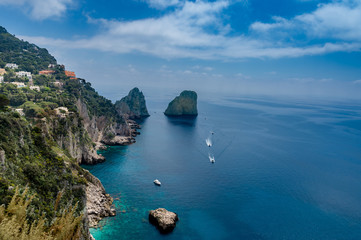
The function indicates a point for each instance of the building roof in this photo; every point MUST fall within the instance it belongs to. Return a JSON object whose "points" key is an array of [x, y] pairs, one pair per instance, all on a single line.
{"points": [[70, 74], [46, 72]]}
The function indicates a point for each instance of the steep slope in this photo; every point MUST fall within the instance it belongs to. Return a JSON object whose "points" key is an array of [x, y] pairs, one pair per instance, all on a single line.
{"points": [[28, 56], [46, 132], [133, 105]]}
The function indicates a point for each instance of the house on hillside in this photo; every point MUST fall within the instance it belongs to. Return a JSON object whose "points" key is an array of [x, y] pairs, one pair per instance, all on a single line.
{"points": [[70, 74], [37, 88], [51, 65], [24, 74], [20, 111], [1, 79], [62, 111], [2, 71], [19, 84], [46, 72], [58, 84], [11, 65]]}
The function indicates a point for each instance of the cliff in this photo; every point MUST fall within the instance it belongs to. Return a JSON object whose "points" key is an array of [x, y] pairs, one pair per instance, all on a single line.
{"points": [[59, 127], [183, 105], [132, 106]]}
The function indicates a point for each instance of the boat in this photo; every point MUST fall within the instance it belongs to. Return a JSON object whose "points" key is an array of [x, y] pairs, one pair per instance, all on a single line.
{"points": [[211, 158], [157, 182], [208, 142]]}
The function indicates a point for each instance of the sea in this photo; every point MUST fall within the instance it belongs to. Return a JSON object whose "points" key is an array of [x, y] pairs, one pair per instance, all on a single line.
{"points": [[284, 169]]}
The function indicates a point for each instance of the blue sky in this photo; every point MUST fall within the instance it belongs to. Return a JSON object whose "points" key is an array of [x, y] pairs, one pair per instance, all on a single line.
{"points": [[298, 48]]}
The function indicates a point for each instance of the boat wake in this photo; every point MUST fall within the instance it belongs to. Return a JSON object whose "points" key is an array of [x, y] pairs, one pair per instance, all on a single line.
{"points": [[211, 158], [209, 142]]}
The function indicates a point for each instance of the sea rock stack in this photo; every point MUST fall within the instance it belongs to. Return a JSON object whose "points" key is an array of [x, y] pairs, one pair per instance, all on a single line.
{"points": [[183, 105], [163, 219], [132, 105]]}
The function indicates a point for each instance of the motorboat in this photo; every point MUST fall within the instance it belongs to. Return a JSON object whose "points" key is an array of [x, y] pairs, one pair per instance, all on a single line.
{"points": [[211, 158], [208, 142], [157, 182]]}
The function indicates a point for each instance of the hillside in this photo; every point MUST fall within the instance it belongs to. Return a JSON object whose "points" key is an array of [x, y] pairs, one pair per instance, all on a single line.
{"points": [[28, 56], [49, 124]]}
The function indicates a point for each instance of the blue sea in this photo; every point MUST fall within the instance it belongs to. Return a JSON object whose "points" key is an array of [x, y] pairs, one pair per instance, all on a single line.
{"points": [[284, 169]]}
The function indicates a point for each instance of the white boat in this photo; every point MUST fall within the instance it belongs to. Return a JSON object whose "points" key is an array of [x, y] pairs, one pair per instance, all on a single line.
{"points": [[208, 142], [211, 158], [157, 182]]}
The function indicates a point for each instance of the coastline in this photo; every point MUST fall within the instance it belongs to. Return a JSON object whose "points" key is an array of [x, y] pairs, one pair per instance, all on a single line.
{"points": [[99, 203]]}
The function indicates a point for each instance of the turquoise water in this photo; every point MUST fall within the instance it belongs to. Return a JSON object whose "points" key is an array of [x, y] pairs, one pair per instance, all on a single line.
{"points": [[283, 170]]}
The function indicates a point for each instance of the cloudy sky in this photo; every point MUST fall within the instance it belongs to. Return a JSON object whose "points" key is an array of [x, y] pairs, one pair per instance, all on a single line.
{"points": [[298, 48]]}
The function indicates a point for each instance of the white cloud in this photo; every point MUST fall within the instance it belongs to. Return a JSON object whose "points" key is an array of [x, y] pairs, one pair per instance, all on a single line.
{"points": [[162, 4], [197, 29], [338, 20], [40, 9]]}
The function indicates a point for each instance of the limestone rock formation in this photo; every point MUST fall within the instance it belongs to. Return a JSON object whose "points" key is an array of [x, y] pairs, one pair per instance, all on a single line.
{"points": [[99, 203], [183, 105], [163, 219], [133, 105]]}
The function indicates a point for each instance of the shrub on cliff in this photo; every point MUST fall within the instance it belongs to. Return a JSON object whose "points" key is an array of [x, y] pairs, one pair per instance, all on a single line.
{"points": [[14, 223]]}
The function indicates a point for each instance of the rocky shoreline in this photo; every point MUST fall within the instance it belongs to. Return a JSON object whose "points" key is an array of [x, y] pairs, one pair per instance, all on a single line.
{"points": [[99, 203]]}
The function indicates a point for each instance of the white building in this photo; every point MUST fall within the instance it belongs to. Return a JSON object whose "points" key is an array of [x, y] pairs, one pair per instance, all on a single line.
{"points": [[1, 79], [20, 111], [58, 84], [11, 65], [24, 74], [37, 88], [51, 65], [19, 84], [62, 111]]}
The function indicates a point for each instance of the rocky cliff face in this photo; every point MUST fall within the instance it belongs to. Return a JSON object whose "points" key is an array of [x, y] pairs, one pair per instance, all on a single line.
{"points": [[132, 106], [183, 105], [104, 131], [99, 203]]}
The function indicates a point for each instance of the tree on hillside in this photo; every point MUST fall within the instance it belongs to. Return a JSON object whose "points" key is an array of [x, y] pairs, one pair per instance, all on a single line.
{"points": [[4, 101]]}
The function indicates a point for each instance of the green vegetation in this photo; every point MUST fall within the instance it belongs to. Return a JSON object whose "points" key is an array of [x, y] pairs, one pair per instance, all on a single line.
{"points": [[14, 224], [34, 148], [28, 57], [4, 101]]}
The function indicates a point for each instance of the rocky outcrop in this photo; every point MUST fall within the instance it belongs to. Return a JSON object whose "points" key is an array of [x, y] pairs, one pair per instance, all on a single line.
{"points": [[183, 105], [119, 141], [101, 131], [132, 106], [99, 203], [163, 219]]}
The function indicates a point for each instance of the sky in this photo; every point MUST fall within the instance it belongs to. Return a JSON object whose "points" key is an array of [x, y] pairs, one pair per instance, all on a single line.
{"points": [[289, 48]]}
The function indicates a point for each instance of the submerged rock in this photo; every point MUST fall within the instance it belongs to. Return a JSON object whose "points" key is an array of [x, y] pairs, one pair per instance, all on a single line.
{"points": [[133, 105], [183, 105], [163, 219]]}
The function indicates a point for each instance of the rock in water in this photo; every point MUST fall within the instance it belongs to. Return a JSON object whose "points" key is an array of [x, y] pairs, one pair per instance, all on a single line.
{"points": [[163, 219], [183, 105], [133, 105]]}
